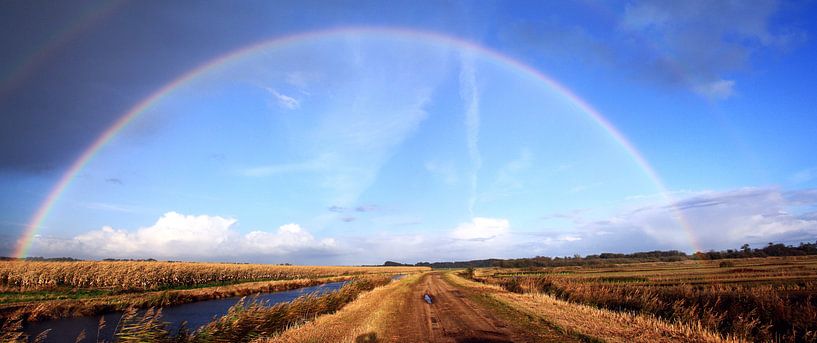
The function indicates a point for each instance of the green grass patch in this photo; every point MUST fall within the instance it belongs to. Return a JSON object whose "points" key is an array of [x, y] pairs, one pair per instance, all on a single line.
{"points": [[15, 297]]}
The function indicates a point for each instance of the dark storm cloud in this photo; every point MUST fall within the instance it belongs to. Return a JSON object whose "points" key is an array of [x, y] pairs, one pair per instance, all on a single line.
{"points": [[7, 244], [78, 88], [95, 60]]}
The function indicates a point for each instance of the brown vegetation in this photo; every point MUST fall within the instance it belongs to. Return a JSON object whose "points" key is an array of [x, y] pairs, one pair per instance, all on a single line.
{"points": [[753, 299], [369, 317], [248, 321], [592, 323], [24, 276], [148, 284], [245, 321], [43, 310]]}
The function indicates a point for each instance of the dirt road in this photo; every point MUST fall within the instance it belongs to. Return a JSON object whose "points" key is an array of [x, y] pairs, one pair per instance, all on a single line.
{"points": [[452, 317]]}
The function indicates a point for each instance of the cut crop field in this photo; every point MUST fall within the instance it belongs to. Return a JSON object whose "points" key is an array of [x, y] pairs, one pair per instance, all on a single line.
{"points": [[758, 299], [20, 276], [751, 299], [32, 291]]}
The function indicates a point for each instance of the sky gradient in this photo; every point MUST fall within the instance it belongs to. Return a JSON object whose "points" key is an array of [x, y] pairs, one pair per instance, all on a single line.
{"points": [[358, 132]]}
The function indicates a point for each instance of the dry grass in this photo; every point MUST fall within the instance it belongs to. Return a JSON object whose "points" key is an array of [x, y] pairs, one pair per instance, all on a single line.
{"points": [[755, 299], [24, 276], [369, 317], [243, 322], [139, 278], [88, 307], [603, 324]]}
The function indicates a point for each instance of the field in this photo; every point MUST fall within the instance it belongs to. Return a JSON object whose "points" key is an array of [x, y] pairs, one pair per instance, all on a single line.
{"points": [[730, 300], [21, 277], [33, 291], [755, 299]]}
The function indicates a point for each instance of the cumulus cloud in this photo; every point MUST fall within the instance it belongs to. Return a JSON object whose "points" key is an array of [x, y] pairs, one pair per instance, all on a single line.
{"points": [[481, 229], [716, 219], [709, 220], [178, 236], [284, 100]]}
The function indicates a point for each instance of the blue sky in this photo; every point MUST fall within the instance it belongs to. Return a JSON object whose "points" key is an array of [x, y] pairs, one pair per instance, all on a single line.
{"points": [[370, 144]]}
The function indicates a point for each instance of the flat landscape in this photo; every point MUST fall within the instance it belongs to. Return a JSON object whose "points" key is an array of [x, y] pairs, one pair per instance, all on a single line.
{"points": [[747, 299], [421, 171]]}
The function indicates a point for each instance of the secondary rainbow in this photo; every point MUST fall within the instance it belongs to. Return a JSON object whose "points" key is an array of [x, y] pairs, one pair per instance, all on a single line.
{"points": [[134, 112]]}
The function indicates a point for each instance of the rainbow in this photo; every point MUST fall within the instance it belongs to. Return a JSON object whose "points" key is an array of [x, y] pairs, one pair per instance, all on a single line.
{"points": [[134, 112]]}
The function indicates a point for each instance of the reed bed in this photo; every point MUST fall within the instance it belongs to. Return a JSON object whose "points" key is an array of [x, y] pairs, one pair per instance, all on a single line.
{"points": [[245, 321], [774, 301], [29, 276]]}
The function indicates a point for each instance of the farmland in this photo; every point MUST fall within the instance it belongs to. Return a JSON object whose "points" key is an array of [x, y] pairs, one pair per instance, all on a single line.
{"points": [[754, 299], [726, 300], [34, 291], [20, 276]]}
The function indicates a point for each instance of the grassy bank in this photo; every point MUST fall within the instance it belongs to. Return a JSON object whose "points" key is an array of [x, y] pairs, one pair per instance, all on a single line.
{"points": [[244, 321], [370, 318]]}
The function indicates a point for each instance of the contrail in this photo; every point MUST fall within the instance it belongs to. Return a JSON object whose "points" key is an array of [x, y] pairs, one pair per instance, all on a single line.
{"points": [[470, 97]]}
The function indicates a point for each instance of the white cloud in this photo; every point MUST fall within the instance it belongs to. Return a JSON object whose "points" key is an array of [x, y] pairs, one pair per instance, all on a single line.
{"points": [[316, 164], [300, 80], [481, 229], [469, 93], [284, 100], [288, 239], [716, 220], [178, 236], [509, 178], [110, 207], [694, 43], [718, 89], [582, 188], [445, 170], [804, 175]]}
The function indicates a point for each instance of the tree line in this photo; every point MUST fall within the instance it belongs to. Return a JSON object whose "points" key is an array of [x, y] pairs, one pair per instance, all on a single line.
{"points": [[745, 251]]}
